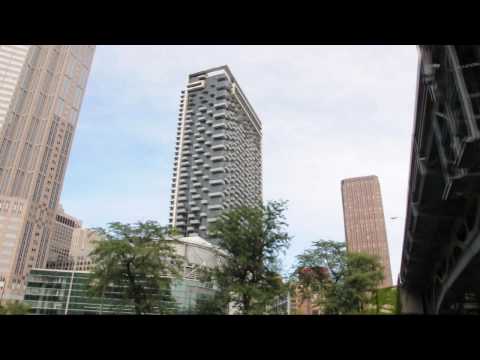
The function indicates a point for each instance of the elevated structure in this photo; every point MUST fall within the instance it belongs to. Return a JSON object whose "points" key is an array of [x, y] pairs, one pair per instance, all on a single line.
{"points": [[440, 269]]}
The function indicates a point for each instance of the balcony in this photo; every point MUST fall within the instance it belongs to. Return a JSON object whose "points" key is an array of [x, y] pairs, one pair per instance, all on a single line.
{"points": [[218, 158], [221, 125], [217, 182], [220, 115], [220, 169], [218, 147], [218, 136], [222, 105]]}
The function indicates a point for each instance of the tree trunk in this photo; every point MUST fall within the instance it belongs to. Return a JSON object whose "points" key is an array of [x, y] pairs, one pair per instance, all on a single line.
{"points": [[246, 304], [136, 301]]}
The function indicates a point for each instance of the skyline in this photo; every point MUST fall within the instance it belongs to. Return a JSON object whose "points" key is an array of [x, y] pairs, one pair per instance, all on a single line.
{"points": [[143, 83]]}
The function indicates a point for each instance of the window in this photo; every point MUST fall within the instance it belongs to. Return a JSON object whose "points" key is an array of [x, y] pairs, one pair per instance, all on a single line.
{"points": [[77, 98], [65, 87], [59, 107]]}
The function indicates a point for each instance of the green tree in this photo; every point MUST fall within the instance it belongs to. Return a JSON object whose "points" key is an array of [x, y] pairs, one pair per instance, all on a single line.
{"points": [[212, 305], [14, 308], [355, 293], [251, 239], [323, 254], [137, 260], [387, 300], [352, 281]]}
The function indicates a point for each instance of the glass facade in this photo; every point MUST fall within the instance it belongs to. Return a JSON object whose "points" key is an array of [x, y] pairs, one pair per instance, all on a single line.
{"points": [[63, 292]]}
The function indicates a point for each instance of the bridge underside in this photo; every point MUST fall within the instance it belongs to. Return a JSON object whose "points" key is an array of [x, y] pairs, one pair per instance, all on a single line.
{"points": [[440, 261]]}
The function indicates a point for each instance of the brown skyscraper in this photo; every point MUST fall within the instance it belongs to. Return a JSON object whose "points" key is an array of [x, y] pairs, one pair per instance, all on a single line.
{"points": [[364, 220]]}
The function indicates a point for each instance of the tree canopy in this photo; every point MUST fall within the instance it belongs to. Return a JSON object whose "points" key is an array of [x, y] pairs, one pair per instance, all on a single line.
{"points": [[14, 308], [352, 282], [251, 238], [139, 261]]}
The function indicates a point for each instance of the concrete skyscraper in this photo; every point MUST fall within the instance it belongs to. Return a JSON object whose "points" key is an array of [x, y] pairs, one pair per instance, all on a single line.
{"points": [[218, 158], [364, 220], [12, 58], [46, 87]]}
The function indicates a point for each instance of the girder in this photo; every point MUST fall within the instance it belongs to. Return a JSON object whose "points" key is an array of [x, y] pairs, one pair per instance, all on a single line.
{"points": [[442, 238]]}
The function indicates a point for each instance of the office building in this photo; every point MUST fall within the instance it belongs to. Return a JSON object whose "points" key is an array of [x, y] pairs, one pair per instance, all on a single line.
{"points": [[12, 58], [61, 239], [218, 158], [65, 291], [35, 142], [364, 220], [82, 243]]}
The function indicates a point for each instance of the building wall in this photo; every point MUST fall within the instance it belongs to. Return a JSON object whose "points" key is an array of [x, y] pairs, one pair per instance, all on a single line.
{"points": [[35, 143], [83, 242], [45, 297], [218, 152], [62, 236], [364, 220], [12, 59]]}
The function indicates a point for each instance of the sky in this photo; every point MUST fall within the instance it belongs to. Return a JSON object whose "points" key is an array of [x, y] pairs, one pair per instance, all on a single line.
{"points": [[328, 113]]}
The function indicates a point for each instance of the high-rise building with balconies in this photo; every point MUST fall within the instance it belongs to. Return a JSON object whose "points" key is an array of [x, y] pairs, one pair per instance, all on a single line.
{"points": [[45, 86], [218, 158], [364, 220]]}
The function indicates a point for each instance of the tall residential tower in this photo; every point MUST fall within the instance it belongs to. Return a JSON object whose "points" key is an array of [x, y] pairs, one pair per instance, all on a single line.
{"points": [[218, 159], [46, 87], [364, 220]]}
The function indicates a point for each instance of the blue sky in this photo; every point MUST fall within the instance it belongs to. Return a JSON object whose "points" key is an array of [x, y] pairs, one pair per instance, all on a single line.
{"points": [[328, 112]]}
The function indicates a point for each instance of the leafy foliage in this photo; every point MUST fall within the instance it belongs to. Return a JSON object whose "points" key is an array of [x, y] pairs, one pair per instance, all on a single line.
{"points": [[136, 259], [14, 308], [251, 238], [325, 253], [387, 300], [352, 282]]}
